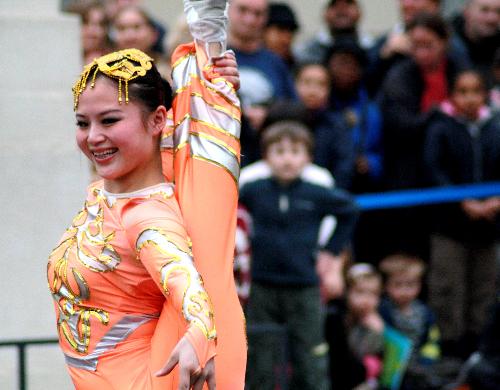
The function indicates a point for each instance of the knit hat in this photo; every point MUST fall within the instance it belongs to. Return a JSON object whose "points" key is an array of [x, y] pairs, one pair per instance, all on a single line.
{"points": [[281, 15]]}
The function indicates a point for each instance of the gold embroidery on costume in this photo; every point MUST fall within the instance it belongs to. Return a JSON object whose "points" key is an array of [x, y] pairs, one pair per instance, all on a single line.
{"points": [[179, 269], [124, 66], [84, 237]]}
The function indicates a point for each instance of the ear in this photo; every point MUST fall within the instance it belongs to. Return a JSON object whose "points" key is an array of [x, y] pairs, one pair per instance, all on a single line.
{"points": [[157, 120]]}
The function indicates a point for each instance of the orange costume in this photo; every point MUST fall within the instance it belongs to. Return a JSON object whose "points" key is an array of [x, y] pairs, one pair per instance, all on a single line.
{"points": [[123, 279]]}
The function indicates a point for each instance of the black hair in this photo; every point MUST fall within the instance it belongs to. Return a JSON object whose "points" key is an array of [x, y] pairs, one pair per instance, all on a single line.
{"points": [[152, 90], [431, 21], [297, 71], [282, 15], [472, 71], [347, 45]]}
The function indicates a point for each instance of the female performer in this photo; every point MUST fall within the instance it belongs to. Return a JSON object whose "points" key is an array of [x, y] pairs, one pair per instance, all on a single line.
{"points": [[130, 303]]}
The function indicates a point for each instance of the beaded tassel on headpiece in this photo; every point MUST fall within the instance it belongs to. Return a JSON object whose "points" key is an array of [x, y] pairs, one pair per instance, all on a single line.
{"points": [[124, 66]]}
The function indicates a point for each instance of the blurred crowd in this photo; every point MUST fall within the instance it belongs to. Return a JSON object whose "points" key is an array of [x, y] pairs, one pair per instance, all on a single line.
{"points": [[342, 113]]}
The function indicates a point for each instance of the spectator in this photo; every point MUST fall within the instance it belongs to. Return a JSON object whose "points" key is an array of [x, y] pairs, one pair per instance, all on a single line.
{"points": [[463, 146], [348, 97], [355, 331], [280, 32], [313, 84], [341, 18], [113, 7], [286, 213], [401, 309], [395, 46], [94, 30], [354, 157], [264, 75], [133, 28], [265, 78], [410, 91], [476, 34]]}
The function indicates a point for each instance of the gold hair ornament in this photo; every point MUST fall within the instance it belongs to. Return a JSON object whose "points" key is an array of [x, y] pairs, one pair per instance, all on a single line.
{"points": [[123, 65]]}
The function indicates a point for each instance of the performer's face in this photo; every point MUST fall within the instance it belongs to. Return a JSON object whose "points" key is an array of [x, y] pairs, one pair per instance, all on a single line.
{"points": [[121, 140]]}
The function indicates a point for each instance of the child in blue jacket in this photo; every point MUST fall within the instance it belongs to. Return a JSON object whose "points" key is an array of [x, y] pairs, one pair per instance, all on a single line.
{"points": [[286, 215]]}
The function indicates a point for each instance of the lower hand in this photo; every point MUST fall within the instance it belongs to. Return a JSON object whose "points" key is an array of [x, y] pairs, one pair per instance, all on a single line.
{"points": [[329, 269], [191, 375]]}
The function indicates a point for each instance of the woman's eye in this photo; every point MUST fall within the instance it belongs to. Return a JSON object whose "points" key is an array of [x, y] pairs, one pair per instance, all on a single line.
{"points": [[109, 121], [81, 124]]}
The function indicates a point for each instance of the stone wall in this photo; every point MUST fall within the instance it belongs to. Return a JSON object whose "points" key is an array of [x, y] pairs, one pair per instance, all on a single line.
{"points": [[42, 174]]}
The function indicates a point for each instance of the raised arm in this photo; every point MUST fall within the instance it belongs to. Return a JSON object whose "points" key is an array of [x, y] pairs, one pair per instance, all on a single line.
{"points": [[205, 148]]}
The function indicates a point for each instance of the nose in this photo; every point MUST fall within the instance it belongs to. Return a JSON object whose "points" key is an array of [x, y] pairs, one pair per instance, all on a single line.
{"points": [[95, 135]]}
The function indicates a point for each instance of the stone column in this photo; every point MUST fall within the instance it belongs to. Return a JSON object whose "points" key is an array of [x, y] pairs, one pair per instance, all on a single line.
{"points": [[43, 176]]}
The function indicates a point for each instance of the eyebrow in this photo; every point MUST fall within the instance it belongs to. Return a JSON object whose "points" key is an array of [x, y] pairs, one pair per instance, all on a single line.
{"points": [[104, 112]]}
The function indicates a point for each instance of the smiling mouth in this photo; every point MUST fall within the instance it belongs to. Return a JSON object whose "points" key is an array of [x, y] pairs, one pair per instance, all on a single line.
{"points": [[105, 154]]}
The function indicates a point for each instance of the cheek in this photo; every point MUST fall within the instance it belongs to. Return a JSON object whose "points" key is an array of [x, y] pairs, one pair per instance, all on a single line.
{"points": [[81, 141]]}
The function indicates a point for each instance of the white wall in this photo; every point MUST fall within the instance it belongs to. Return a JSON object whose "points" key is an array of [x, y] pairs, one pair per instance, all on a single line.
{"points": [[42, 175]]}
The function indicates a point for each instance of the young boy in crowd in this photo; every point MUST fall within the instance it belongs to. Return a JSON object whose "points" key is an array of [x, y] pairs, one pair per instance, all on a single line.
{"points": [[286, 214], [463, 146], [401, 309], [354, 331]]}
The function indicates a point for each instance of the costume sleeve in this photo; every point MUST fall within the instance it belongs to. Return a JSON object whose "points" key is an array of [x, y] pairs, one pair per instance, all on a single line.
{"points": [[162, 246]]}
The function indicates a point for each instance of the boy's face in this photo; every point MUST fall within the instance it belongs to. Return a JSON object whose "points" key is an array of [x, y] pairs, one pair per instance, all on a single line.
{"points": [[468, 95], [287, 159], [403, 289], [363, 297], [313, 86]]}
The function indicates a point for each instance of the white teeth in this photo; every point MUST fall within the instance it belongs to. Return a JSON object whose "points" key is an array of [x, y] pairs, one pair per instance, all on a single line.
{"points": [[103, 154]]}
